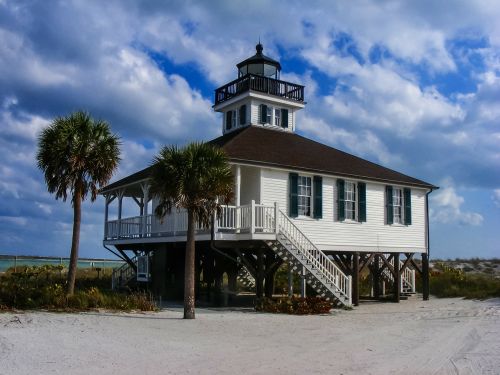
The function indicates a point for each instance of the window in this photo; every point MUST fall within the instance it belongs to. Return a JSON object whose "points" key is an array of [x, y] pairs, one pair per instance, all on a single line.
{"points": [[269, 115], [266, 114], [304, 196], [397, 204], [277, 117], [350, 200], [230, 119]]}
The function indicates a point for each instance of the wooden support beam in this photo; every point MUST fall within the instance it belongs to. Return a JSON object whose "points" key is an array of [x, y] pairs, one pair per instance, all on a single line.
{"points": [[366, 261], [355, 279], [249, 266], [407, 261], [259, 280], [397, 279], [269, 262], [416, 266], [387, 264], [339, 263], [425, 277], [375, 269]]}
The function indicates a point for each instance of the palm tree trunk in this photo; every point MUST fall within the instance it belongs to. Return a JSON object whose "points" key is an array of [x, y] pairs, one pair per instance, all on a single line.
{"points": [[189, 269], [75, 241]]}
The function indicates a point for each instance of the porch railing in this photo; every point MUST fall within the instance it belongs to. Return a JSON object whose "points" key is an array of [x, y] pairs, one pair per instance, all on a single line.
{"points": [[250, 218]]}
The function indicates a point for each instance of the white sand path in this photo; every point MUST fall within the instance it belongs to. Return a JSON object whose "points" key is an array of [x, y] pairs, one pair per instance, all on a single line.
{"points": [[440, 336]]}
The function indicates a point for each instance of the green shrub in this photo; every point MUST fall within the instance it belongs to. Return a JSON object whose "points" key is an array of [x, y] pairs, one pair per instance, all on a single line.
{"points": [[44, 287], [294, 305], [450, 282]]}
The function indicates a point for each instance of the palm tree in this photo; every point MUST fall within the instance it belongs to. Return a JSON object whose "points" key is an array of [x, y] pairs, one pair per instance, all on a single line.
{"points": [[77, 155], [197, 178]]}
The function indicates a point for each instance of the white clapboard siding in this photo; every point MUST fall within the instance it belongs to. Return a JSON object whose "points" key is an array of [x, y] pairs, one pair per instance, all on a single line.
{"points": [[250, 185], [330, 234]]}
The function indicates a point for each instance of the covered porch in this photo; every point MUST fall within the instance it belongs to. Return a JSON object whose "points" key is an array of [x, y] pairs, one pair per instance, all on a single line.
{"points": [[134, 219]]}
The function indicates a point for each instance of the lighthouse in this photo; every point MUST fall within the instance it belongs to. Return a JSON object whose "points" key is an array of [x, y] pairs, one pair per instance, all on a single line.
{"points": [[258, 97]]}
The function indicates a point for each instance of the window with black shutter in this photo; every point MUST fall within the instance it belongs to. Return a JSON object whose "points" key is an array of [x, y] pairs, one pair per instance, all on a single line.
{"points": [[293, 203], [229, 119], [284, 118], [340, 200], [243, 114], [318, 197]]}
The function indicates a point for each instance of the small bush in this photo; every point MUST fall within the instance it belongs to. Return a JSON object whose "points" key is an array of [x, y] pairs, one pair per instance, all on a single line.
{"points": [[294, 305], [450, 282], [43, 287]]}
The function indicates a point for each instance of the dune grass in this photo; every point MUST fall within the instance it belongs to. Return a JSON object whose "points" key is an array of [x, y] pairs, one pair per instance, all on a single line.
{"points": [[43, 287], [446, 281]]}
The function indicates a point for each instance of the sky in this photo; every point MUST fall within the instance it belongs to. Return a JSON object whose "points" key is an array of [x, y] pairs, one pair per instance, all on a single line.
{"points": [[412, 85]]}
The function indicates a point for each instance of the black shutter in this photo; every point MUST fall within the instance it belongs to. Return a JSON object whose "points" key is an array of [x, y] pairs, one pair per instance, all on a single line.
{"points": [[263, 113], [318, 197], [388, 203], [340, 200], [229, 119], [284, 118], [243, 114], [407, 198], [293, 201], [361, 202]]}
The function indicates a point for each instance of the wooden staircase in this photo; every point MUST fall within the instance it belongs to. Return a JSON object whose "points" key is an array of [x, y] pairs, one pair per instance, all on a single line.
{"points": [[245, 278], [124, 274], [324, 276], [408, 286]]}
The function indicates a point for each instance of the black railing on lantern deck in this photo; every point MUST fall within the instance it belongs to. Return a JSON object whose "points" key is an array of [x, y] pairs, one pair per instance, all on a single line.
{"points": [[260, 84]]}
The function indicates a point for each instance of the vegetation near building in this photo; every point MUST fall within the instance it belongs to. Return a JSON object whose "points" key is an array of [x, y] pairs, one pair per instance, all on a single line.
{"points": [[78, 155], [196, 178]]}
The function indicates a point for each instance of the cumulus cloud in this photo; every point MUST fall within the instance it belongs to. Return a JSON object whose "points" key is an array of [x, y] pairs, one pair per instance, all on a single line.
{"points": [[447, 207]]}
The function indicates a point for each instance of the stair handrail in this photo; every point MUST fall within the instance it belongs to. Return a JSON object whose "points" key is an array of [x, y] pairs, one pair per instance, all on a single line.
{"points": [[313, 254], [125, 270], [408, 275]]}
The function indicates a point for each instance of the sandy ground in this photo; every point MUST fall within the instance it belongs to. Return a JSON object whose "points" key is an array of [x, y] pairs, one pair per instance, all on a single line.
{"points": [[441, 336]]}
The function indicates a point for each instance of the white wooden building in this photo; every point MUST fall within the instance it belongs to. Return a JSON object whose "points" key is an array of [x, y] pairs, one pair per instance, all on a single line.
{"points": [[328, 214]]}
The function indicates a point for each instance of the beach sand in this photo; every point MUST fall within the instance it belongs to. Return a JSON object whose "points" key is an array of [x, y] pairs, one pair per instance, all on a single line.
{"points": [[440, 336]]}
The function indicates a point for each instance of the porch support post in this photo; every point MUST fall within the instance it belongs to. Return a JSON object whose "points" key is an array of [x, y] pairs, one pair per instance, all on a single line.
{"points": [[397, 278], [355, 279], [259, 280], [120, 199], [238, 186], [303, 282], [252, 217], [425, 277], [290, 280], [376, 276], [145, 193], [106, 214]]}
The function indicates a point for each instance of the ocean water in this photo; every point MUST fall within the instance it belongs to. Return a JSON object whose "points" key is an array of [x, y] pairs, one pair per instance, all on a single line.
{"points": [[7, 262]]}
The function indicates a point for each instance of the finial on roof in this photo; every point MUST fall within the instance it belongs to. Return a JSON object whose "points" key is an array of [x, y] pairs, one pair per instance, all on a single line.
{"points": [[259, 48]]}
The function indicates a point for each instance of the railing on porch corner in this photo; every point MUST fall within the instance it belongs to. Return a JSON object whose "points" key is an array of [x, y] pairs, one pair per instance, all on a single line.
{"points": [[250, 218]]}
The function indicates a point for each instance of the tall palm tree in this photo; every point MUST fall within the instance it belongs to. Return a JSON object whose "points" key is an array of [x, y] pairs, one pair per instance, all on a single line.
{"points": [[77, 155], [197, 178]]}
